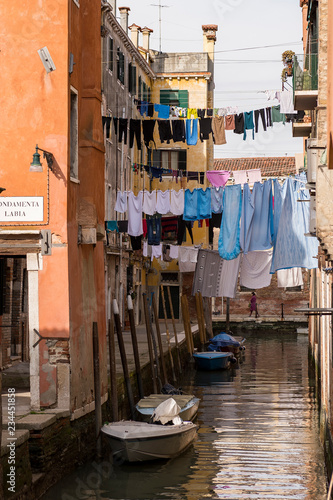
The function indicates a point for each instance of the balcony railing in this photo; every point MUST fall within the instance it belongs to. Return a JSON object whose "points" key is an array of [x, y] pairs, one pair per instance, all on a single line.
{"points": [[305, 72]]}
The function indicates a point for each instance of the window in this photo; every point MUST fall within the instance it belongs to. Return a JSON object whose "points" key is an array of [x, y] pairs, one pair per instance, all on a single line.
{"points": [[144, 92], [174, 98], [298, 288], [120, 66], [132, 78], [170, 159], [110, 54], [74, 141], [140, 88]]}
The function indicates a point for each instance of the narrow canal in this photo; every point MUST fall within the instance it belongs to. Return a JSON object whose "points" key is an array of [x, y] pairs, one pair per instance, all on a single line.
{"points": [[257, 439]]}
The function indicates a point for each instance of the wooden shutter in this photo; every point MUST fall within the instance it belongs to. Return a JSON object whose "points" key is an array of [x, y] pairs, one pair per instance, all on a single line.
{"points": [[182, 159], [183, 98]]}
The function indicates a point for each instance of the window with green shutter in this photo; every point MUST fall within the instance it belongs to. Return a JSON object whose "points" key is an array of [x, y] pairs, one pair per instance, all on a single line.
{"points": [[110, 54], [120, 66], [174, 97], [131, 78]]}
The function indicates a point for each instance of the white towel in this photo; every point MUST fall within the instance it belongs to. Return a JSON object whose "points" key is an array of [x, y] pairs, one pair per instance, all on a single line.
{"points": [[163, 202], [174, 251], [255, 270], [287, 103], [287, 278], [121, 202], [229, 278], [157, 251], [240, 176], [149, 202], [177, 202], [187, 259]]}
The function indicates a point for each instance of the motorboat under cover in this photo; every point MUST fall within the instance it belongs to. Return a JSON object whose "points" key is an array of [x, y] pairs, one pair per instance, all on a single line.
{"points": [[222, 340], [167, 412]]}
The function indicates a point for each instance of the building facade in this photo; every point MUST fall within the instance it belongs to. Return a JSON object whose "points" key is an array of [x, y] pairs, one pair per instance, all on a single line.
{"points": [[52, 209]]}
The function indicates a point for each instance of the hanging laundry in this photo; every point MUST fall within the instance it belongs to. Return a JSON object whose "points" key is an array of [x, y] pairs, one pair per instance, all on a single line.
{"points": [[210, 112], [279, 192], [287, 103], [121, 202], [149, 202], [192, 132], [190, 205], [217, 200], [154, 229], [143, 108], [135, 131], [218, 130], [270, 94], [288, 278], [261, 237], [201, 113], [269, 117], [136, 242], [248, 123], [292, 247], [156, 172], [246, 219], [157, 252], [229, 277], [115, 125], [182, 226], [150, 110], [229, 246], [174, 251], [106, 121], [163, 111], [207, 276], [240, 176], [192, 176], [169, 228], [123, 226], [204, 204], [205, 129], [222, 112], [277, 116], [111, 226], [122, 129], [164, 128], [255, 269], [148, 131], [260, 113], [254, 175], [144, 227], [163, 202], [187, 259], [218, 178], [229, 123], [192, 113], [135, 227], [177, 199], [214, 222], [178, 130], [239, 124], [146, 249]]}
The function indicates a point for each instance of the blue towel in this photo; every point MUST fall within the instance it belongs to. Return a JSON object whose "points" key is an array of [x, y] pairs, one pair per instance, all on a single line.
{"points": [[217, 199], [262, 226], [191, 205], [279, 195], [204, 204], [229, 246], [247, 218], [292, 247], [144, 108], [163, 111]]}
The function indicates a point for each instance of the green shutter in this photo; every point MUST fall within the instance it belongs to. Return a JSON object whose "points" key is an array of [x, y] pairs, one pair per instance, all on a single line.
{"points": [[134, 79], [156, 158], [183, 98]]}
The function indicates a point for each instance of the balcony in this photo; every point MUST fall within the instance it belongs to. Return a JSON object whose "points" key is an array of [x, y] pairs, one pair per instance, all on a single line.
{"points": [[305, 82], [302, 128]]}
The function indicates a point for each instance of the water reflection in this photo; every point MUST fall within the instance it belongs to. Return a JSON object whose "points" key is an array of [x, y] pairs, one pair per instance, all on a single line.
{"points": [[257, 439]]}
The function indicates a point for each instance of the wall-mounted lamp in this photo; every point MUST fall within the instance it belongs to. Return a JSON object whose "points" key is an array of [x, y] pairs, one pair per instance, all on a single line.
{"points": [[46, 59], [35, 165]]}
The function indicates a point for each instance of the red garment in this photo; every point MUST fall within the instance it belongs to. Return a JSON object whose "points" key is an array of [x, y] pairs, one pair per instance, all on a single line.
{"points": [[144, 226]]}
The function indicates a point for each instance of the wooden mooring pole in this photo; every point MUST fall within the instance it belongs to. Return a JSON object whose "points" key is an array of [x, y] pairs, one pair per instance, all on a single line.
{"points": [[123, 357], [113, 370], [97, 389], [174, 329], [159, 339], [227, 317], [168, 336], [187, 325], [135, 346], [149, 340]]}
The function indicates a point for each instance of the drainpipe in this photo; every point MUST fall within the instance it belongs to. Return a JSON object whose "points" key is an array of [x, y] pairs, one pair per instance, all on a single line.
{"points": [[121, 283]]}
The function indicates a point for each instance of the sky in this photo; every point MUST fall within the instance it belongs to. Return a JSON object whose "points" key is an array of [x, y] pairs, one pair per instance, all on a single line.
{"points": [[252, 34]]}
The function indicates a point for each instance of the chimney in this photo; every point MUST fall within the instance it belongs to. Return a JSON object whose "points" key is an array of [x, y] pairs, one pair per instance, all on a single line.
{"points": [[113, 4], [124, 18], [209, 32], [135, 30], [146, 38]]}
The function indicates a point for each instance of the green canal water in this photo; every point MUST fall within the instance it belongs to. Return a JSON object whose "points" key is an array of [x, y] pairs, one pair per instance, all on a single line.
{"points": [[257, 438]]}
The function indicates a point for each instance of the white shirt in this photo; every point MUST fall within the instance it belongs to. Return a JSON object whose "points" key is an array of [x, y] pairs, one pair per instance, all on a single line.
{"points": [[177, 202], [121, 202], [149, 202], [163, 202], [135, 227]]}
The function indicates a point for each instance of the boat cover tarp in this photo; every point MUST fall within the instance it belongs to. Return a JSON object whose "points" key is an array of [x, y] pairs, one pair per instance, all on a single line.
{"points": [[167, 412], [223, 340]]}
